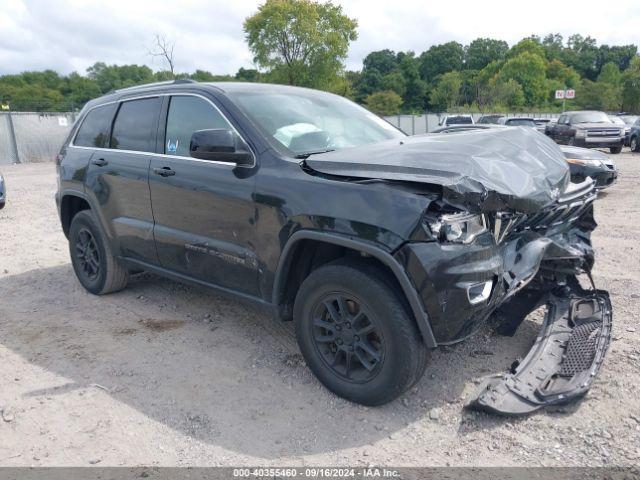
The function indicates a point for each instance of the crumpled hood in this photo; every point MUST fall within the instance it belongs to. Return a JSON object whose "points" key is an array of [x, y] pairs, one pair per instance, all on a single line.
{"points": [[507, 169]]}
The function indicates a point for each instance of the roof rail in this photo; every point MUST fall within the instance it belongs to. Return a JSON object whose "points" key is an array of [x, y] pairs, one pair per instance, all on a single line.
{"points": [[155, 84]]}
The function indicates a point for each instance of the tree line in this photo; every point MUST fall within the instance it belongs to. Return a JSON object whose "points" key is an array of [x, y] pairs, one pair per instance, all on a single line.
{"points": [[305, 43]]}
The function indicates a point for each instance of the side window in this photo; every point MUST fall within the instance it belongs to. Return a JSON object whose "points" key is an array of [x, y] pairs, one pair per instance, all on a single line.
{"points": [[186, 115], [135, 125], [562, 119], [94, 130]]}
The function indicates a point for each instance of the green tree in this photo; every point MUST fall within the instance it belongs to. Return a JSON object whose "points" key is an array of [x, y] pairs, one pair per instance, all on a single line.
{"points": [[610, 73], [529, 70], [631, 87], [529, 45], [482, 51], [306, 42], [384, 61], [247, 75], [384, 103], [566, 76], [370, 81], [415, 95], [598, 95], [395, 81], [441, 59], [446, 93]]}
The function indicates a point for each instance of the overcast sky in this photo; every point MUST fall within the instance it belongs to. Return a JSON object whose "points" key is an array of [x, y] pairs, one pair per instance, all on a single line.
{"points": [[68, 35]]}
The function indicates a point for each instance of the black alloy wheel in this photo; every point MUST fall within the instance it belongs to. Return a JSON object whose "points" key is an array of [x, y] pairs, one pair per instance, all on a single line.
{"points": [[347, 338], [87, 254]]}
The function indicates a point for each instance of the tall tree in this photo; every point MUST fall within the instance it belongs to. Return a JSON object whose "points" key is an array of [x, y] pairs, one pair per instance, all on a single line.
{"points": [[482, 51], [303, 40], [385, 61], [528, 69], [631, 87], [446, 93], [441, 59]]}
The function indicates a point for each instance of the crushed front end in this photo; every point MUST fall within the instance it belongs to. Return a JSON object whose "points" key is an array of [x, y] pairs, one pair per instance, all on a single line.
{"points": [[519, 263]]}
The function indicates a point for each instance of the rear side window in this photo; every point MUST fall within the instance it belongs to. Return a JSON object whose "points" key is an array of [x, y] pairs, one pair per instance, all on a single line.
{"points": [[187, 115], [135, 125], [94, 130]]}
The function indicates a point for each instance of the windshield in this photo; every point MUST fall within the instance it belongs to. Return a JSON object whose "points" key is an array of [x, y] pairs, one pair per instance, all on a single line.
{"points": [[308, 121], [527, 122], [590, 117]]}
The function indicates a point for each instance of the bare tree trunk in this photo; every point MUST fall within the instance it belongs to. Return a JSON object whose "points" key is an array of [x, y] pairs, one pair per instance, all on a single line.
{"points": [[164, 49]]}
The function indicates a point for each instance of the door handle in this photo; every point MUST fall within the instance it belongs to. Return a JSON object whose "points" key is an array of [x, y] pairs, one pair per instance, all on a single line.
{"points": [[101, 162], [164, 172]]}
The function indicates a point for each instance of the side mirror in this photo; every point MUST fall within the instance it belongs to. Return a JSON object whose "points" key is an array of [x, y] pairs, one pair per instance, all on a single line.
{"points": [[219, 145]]}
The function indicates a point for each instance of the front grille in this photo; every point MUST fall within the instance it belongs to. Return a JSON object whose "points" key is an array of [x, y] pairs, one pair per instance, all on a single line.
{"points": [[566, 209], [603, 132]]}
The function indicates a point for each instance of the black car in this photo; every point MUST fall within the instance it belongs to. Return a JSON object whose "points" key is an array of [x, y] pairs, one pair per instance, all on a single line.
{"points": [[377, 245], [589, 129], [634, 136], [3, 192], [585, 162]]}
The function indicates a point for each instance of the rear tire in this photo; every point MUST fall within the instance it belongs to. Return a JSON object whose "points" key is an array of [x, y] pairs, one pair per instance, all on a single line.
{"points": [[356, 334], [615, 150], [97, 269]]}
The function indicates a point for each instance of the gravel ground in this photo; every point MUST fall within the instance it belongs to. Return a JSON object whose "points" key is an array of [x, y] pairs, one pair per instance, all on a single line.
{"points": [[167, 374]]}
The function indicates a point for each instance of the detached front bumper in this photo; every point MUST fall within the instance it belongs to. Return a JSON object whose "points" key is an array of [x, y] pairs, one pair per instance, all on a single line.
{"points": [[563, 362]]}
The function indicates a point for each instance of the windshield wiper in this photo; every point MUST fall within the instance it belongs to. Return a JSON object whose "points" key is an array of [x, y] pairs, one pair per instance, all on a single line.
{"points": [[316, 152]]}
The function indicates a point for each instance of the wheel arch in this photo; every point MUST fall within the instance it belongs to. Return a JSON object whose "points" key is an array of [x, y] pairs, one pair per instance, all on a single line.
{"points": [[286, 272], [70, 204]]}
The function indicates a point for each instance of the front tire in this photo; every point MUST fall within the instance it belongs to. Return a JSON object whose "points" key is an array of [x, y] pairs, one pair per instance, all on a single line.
{"points": [[615, 150], [356, 334], [633, 144], [97, 269]]}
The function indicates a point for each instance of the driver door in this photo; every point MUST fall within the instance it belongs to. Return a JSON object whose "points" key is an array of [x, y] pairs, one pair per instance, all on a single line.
{"points": [[203, 210]]}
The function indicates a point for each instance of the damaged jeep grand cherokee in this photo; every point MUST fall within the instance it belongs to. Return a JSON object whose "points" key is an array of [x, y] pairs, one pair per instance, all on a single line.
{"points": [[377, 245]]}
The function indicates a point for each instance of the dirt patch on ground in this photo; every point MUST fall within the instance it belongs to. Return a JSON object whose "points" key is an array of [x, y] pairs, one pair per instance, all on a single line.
{"points": [[167, 374]]}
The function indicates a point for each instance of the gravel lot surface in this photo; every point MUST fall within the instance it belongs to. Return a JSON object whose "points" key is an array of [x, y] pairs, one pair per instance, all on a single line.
{"points": [[167, 374]]}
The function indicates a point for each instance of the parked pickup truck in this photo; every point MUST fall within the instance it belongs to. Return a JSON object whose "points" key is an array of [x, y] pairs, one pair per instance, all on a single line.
{"points": [[588, 129], [377, 245]]}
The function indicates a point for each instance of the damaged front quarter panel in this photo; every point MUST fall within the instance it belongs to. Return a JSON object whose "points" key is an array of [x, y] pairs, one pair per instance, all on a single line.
{"points": [[536, 241]]}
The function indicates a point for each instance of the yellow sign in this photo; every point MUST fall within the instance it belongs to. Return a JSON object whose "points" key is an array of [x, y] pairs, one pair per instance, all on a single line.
{"points": [[5, 106]]}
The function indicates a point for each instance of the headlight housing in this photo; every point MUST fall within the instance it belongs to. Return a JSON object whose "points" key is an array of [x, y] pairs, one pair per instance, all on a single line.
{"points": [[581, 133], [460, 227], [583, 161]]}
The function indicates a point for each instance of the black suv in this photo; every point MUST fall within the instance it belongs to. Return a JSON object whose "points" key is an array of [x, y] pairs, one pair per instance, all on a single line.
{"points": [[588, 129], [378, 245]]}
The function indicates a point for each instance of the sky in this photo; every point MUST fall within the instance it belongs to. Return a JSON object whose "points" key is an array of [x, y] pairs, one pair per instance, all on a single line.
{"points": [[71, 35]]}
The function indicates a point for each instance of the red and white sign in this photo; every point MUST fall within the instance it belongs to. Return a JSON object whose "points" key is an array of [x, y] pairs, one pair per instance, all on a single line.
{"points": [[570, 94], [559, 94]]}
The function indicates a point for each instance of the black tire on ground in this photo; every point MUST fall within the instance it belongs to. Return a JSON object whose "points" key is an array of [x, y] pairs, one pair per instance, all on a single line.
{"points": [[571, 142], [615, 150], [378, 334], [93, 261], [633, 144]]}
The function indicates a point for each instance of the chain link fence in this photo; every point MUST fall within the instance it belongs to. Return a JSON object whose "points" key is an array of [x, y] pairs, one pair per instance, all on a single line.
{"points": [[27, 137]]}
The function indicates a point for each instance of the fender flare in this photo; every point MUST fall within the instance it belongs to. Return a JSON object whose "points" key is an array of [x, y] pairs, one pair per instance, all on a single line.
{"points": [[417, 308], [69, 192]]}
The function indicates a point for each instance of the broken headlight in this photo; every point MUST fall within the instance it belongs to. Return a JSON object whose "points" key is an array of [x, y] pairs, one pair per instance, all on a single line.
{"points": [[457, 227], [585, 161]]}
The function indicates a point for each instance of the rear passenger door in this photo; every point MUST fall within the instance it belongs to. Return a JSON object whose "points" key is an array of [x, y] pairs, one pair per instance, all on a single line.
{"points": [[118, 178], [204, 211]]}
